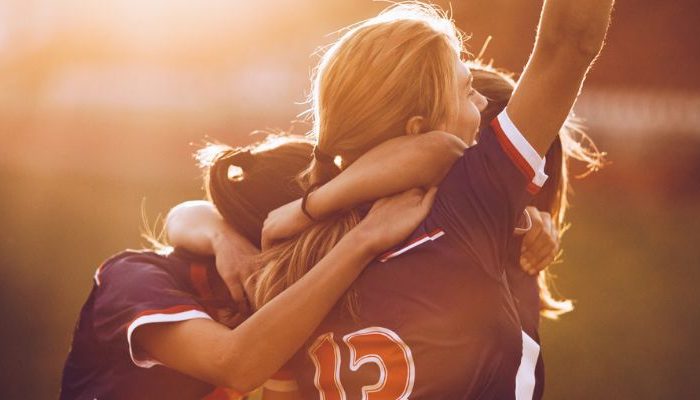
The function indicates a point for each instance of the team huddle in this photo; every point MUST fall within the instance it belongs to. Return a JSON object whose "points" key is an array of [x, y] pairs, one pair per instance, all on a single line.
{"points": [[397, 252]]}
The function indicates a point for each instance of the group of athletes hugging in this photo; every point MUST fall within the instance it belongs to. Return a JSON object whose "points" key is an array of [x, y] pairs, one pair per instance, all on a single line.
{"points": [[398, 252]]}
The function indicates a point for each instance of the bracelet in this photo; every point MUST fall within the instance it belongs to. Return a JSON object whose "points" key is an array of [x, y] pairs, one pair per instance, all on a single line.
{"points": [[305, 199]]}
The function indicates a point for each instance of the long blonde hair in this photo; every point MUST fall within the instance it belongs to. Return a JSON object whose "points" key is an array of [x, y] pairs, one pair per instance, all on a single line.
{"points": [[367, 85], [571, 143]]}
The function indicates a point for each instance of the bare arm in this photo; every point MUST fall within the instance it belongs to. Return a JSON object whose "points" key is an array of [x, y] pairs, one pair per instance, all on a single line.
{"points": [[243, 358], [198, 227], [393, 166], [569, 37]]}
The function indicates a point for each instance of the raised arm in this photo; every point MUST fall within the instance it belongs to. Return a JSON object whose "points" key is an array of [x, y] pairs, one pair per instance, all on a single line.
{"points": [[243, 358], [569, 37]]}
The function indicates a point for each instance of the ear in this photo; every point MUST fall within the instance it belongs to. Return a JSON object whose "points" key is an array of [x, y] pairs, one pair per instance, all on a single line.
{"points": [[414, 125]]}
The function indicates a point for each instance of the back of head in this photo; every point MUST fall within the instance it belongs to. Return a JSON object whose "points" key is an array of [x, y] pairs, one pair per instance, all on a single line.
{"points": [[246, 183], [380, 73]]}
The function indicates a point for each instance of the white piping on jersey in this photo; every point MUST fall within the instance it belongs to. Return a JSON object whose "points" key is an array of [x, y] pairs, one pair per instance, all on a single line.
{"points": [[528, 224], [525, 379], [155, 319], [523, 147], [415, 243]]}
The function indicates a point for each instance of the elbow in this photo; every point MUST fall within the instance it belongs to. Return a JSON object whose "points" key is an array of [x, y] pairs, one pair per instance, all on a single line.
{"points": [[439, 150], [440, 145], [242, 382], [237, 375]]}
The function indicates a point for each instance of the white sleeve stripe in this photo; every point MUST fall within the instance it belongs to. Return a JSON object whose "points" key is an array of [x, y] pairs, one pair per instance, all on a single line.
{"points": [[277, 385], [523, 147], [155, 319]]}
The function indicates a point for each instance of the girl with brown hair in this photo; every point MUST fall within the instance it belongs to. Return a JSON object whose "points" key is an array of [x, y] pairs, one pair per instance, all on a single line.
{"points": [[158, 324]]}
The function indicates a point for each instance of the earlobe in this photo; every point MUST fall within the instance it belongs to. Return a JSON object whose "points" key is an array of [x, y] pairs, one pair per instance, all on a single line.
{"points": [[414, 125]]}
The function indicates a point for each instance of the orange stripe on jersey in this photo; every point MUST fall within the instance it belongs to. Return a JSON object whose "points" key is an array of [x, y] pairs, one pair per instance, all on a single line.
{"points": [[200, 281], [515, 155]]}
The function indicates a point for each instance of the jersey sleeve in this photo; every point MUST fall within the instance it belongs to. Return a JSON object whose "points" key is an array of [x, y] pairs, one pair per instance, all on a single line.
{"points": [[131, 293], [482, 199]]}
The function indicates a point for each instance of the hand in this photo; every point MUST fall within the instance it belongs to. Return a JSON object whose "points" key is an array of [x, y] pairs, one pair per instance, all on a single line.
{"points": [[284, 222], [392, 219], [234, 262], [540, 244]]}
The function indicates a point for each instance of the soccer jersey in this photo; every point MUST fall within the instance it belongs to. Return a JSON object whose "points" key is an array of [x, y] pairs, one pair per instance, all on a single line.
{"points": [[526, 295], [133, 289], [436, 316]]}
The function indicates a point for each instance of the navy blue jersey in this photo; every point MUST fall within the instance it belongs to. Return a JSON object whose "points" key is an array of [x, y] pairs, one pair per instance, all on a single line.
{"points": [[436, 317], [526, 295], [132, 289]]}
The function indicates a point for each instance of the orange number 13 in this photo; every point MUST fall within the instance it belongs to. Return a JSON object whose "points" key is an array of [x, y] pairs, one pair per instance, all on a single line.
{"points": [[379, 346]]}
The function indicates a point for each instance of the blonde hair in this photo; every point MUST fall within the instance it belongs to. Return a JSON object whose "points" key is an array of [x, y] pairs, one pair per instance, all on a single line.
{"points": [[381, 72], [572, 143]]}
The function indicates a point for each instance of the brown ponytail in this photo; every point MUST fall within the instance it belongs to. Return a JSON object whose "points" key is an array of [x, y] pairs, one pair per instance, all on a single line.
{"points": [[245, 184]]}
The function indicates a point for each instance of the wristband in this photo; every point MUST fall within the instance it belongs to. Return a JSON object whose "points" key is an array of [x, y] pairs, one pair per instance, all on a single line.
{"points": [[305, 199]]}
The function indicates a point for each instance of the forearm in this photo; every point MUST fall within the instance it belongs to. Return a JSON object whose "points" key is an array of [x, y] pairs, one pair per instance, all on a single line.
{"points": [[576, 24], [394, 166], [570, 35], [198, 227], [274, 333], [245, 357]]}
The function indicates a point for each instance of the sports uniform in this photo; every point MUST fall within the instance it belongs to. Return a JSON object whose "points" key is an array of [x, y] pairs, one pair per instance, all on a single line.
{"points": [[133, 289], [437, 318], [526, 293]]}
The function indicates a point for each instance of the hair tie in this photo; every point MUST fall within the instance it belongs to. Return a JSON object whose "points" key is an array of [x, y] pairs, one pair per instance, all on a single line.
{"points": [[243, 159], [304, 200], [322, 156]]}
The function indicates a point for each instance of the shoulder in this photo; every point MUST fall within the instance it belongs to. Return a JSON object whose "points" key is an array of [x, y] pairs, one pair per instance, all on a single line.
{"points": [[134, 266]]}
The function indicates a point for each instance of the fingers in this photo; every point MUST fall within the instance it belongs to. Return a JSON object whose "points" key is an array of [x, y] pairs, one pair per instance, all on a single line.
{"points": [[541, 244], [530, 236], [235, 288]]}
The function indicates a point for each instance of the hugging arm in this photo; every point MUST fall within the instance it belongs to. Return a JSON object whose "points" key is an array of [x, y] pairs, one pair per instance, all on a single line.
{"points": [[569, 37], [398, 164], [243, 358], [198, 227]]}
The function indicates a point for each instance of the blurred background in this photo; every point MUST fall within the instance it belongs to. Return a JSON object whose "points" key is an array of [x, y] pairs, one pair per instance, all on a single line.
{"points": [[103, 103]]}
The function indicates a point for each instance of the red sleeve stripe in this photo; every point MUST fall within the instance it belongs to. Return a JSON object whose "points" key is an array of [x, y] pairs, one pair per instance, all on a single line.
{"points": [[172, 314], [428, 237], [520, 151]]}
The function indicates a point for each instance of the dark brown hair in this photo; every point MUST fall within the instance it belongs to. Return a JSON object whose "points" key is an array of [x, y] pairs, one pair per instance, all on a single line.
{"points": [[246, 183]]}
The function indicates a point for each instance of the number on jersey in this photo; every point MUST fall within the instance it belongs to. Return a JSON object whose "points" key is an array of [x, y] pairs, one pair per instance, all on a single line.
{"points": [[376, 345]]}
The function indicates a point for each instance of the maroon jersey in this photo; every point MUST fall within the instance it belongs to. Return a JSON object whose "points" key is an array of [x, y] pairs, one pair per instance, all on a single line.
{"points": [[436, 317], [526, 295], [133, 289]]}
